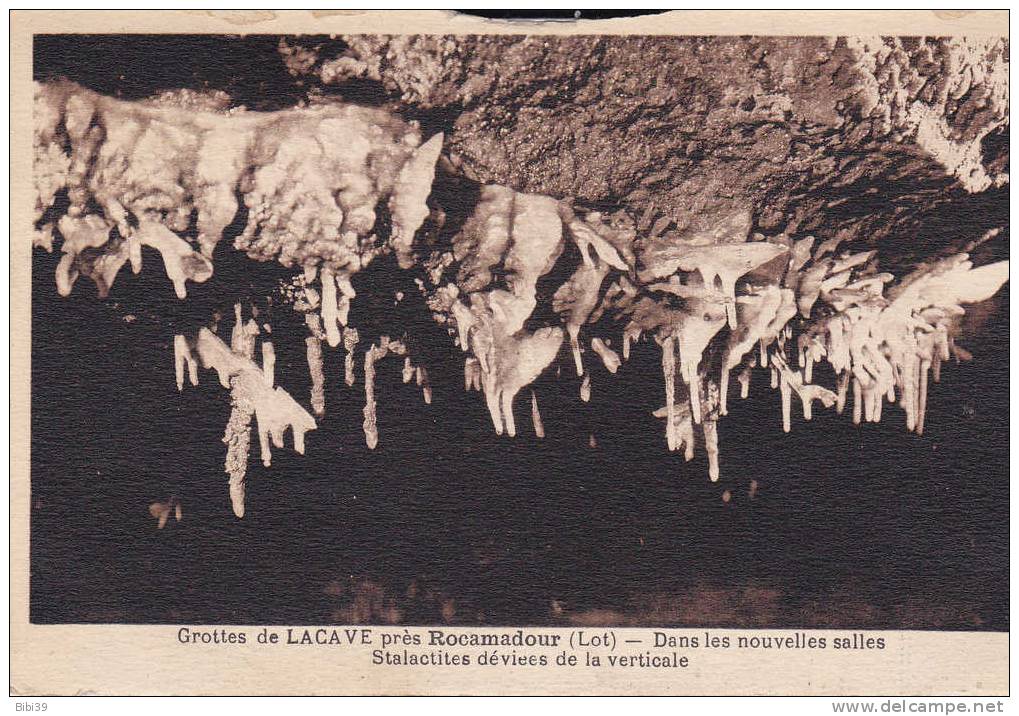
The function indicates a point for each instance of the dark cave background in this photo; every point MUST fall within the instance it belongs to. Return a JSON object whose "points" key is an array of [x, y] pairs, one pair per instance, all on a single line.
{"points": [[866, 526]]}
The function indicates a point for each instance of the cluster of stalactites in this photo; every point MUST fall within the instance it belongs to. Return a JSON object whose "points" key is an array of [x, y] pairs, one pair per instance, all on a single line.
{"points": [[253, 396], [167, 174], [520, 237], [715, 302], [168, 177], [326, 307], [883, 340]]}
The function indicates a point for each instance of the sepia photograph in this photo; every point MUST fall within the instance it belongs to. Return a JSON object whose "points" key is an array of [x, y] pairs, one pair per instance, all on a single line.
{"points": [[519, 331]]}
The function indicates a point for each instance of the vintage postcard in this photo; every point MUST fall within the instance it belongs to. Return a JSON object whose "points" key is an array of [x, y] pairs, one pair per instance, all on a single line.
{"points": [[428, 353]]}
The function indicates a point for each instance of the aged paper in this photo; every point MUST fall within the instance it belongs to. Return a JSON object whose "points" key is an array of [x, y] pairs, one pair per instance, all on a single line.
{"points": [[406, 353]]}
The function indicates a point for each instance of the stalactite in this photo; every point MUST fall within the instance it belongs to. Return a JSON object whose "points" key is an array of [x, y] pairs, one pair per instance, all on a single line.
{"points": [[422, 381], [252, 396], [182, 357], [370, 425], [238, 444], [711, 447], [744, 383], [539, 427], [350, 341], [669, 372], [316, 371], [472, 374], [269, 363], [610, 359], [161, 511]]}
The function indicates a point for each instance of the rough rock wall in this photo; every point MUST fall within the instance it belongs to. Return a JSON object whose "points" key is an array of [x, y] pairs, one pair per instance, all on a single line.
{"points": [[696, 129]]}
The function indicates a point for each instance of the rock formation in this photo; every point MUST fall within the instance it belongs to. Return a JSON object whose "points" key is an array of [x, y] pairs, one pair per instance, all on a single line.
{"points": [[734, 203]]}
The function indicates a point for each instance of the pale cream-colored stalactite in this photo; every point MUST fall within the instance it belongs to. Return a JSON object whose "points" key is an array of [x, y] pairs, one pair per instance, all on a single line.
{"points": [[313, 345], [370, 425], [161, 511], [719, 265], [371, 357], [347, 295], [589, 234], [79, 234], [682, 428], [842, 383], [472, 374], [539, 427], [184, 358], [522, 233], [238, 444], [698, 324], [574, 333], [723, 387], [181, 262], [579, 296], [585, 388], [857, 401], [243, 335], [744, 383], [922, 402], [669, 373], [628, 339], [610, 359], [536, 352], [269, 363], [791, 381], [252, 396], [710, 427], [421, 374], [408, 204], [786, 391], [330, 309], [275, 409], [350, 341]]}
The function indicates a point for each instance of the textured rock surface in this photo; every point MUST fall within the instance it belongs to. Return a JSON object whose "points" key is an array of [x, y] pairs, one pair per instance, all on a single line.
{"points": [[800, 131]]}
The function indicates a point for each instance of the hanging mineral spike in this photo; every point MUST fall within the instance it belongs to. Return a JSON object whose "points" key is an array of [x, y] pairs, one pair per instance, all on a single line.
{"points": [[711, 448], [182, 357], [610, 359], [350, 341], [252, 397], [371, 432], [539, 428], [238, 443], [669, 371], [268, 363], [313, 344]]}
